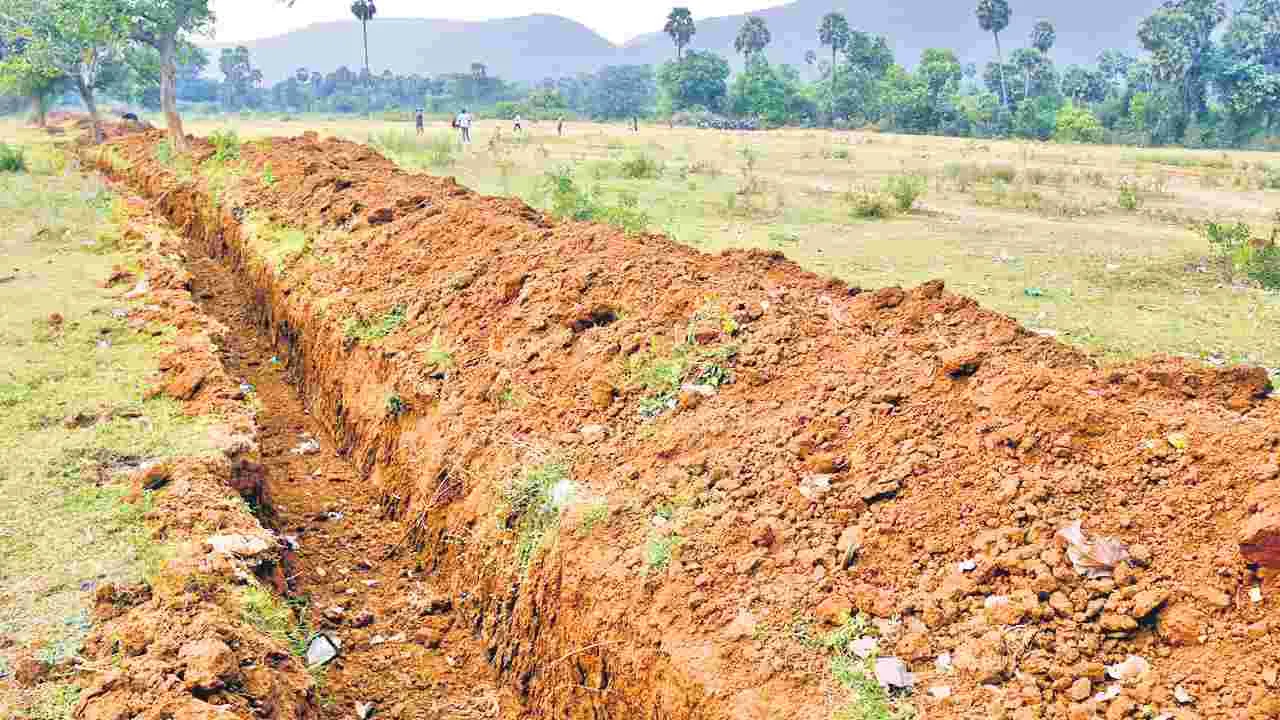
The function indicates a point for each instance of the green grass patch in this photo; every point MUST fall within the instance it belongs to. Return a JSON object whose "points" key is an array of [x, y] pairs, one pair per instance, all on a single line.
{"points": [[268, 613], [659, 550], [376, 328], [13, 159], [535, 500]]}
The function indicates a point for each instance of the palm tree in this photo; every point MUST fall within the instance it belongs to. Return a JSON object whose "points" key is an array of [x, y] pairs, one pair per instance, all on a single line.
{"points": [[834, 32], [364, 11], [993, 16], [681, 29], [1043, 36], [753, 37]]}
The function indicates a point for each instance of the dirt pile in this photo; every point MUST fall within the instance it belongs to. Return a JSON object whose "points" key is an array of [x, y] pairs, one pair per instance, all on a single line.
{"points": [[646, 473], [183, 645]]}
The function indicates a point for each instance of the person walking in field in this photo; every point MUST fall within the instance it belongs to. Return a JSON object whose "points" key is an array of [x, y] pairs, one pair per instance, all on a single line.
{"points": [[560, 126], [419, 121], [463, 123], [519, 127]]}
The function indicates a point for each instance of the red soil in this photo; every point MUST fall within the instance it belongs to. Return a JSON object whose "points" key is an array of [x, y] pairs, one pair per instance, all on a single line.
{"points": [[947, 433]]}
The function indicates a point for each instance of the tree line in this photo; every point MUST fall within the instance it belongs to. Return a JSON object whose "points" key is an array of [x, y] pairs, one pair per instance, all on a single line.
{"points": [[1207, 78]]}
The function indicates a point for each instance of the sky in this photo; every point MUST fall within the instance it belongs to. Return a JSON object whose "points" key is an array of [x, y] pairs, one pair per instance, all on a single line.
{"points": [[244, 20]]}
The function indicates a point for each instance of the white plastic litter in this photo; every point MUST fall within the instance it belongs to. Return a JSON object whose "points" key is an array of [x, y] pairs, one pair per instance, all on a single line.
{"points": [[893, 673], [1094, 559], [943, 663], [1182, 696], [1132, 667], [322, 649], [941, 692], [863, 647]]}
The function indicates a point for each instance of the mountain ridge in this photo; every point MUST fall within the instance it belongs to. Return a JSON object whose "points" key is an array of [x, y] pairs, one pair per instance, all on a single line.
{"points": [[531, 47]]}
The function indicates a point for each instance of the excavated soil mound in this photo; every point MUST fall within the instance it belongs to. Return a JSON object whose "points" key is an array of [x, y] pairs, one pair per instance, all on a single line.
{"points": [[748, 449]]}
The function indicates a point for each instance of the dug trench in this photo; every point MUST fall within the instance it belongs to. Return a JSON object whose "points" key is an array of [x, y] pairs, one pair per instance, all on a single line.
{"points": [[648, 482]]}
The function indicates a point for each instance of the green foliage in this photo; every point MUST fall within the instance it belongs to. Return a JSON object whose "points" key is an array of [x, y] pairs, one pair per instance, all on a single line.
{"points": [[697, 81], [376, 328], [12, 159], [658, 551], [570, 202], [396, 405], [263, 610], [268, 177], [1129, 194], [1243, 255], [640, 166], [905, 189], [1076, 124], [226, 145], [866, 204], [535, 500]]}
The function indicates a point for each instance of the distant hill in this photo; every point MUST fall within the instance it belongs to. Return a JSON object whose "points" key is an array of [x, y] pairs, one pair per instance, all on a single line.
{"points": [[533, 47], [1085, 28], [527, 48]]}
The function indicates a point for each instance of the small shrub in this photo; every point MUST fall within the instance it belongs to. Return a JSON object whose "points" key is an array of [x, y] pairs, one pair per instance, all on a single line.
{"points": [[226, 145], [12, 159], [704, 167], [640, 166], [269, 614], [1002, 171], [1242, 254], [870, 205], [1129, 197], [1271, 177], [268, 177], [905, 190], [840, 154]]}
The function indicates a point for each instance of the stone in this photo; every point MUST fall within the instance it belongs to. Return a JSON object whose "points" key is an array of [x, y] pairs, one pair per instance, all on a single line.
{"points": [[762, 534], [888, 297], [1213, 596], [187, 383], [1061, 604], [210, 664], [983, 659], [879, 489], [29, 671], [1080, 690], [834, 610], [1002, 611], [592, 434], [1147, 601], [1117, 623], [1259, 539], [1180, 624], [961, 361], [364, 618], [602, 394]]}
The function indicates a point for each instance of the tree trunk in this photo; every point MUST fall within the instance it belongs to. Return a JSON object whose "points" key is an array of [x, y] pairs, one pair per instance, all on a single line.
{"points": [[86, 94], [833, 85], [37, 110], [364, 25], [1026, 88], [169, 93], [1004, 87]]}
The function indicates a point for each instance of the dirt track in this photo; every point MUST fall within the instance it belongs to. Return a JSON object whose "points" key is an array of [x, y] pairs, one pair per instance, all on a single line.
{"points": [[897, 433]]}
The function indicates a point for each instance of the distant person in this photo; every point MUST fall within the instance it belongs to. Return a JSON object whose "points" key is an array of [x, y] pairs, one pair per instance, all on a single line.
{"points": [[463, 123], [420, 121], [635, 123], [519, 127], [560, 126]]}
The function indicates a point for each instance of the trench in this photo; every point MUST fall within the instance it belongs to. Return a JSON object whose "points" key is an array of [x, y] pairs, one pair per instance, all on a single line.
{"points": [[403, 653]]}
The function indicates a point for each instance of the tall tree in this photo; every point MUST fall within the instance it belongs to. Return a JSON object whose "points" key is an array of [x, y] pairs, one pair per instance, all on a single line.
{"points": [[162, 24], [681, 29], [1028, 60], [1043, 36], [75, 40], [752, 38], [1179, 36], [993, 17], [364, 10], [833, 32], [20, 76]]}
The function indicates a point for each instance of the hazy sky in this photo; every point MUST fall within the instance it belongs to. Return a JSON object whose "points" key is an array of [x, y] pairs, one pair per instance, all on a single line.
{"points": [[241, 20]]}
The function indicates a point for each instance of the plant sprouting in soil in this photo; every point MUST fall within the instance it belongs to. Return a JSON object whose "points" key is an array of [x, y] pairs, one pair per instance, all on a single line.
{"points": [[868, 701], [396, 405], [226, 145], [658, 551]]}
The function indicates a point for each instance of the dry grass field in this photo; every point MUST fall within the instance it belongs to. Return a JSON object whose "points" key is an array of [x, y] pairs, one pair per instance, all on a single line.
{"points": [[1097, 245]]}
